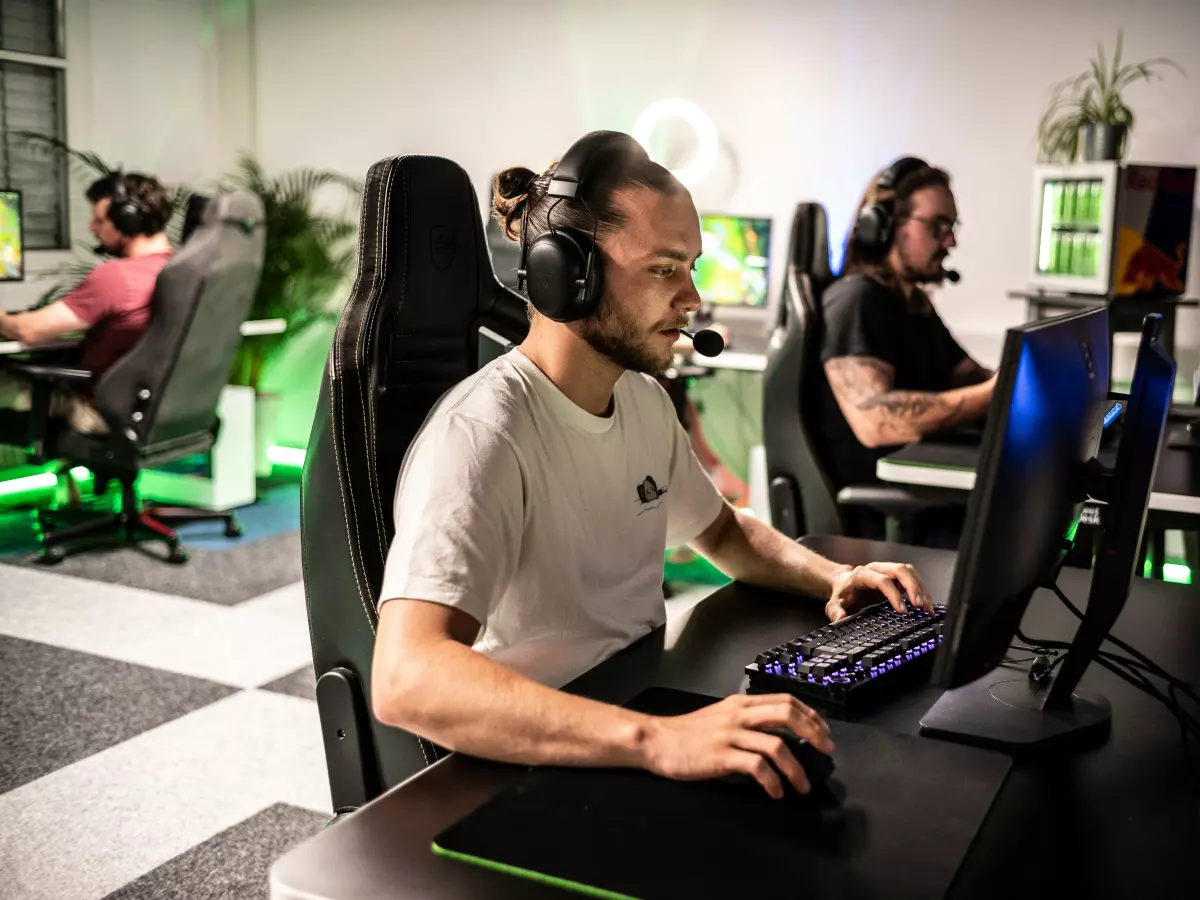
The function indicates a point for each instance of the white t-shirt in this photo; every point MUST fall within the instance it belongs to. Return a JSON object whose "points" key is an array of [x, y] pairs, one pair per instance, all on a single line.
{"points": [[545, 523]]}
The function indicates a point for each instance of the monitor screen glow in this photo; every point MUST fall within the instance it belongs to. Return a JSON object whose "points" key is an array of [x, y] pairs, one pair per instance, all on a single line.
{"points": [[734, 268]]}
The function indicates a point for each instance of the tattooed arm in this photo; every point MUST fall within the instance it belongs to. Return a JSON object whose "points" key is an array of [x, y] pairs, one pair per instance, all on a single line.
{"points": [[969, 372], [881, 416]]}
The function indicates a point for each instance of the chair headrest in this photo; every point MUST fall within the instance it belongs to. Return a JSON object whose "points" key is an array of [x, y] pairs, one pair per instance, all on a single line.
{"points": [[809, 246], [242, 209]]}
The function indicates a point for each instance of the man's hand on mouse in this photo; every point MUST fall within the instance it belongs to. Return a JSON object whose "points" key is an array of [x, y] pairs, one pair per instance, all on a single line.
{"points": [[858, 586], [727, 738]]}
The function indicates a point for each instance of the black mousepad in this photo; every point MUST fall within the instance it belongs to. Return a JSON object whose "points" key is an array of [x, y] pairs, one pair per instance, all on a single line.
{"points": [[894, 820]]}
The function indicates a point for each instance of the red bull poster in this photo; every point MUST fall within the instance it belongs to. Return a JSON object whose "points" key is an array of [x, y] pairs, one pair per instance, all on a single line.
{"points": [[1153, 228]]}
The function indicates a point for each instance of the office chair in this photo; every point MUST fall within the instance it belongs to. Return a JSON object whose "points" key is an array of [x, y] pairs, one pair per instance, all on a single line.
{"points": [[803, 497], [408, 333], [160, 399]]}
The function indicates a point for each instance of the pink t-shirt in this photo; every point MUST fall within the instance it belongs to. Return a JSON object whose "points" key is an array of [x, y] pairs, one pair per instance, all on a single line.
{"points": [[114, 302]]}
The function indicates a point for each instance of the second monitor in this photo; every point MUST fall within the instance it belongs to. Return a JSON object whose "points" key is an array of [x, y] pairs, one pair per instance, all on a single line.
{"points": [[734, 269]]}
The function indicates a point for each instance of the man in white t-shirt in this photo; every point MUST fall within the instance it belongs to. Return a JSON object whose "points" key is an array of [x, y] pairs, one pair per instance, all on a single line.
{"points": [[534, 508]]}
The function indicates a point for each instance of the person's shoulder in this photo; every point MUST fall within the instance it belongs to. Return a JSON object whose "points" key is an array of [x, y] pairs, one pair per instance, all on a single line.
{"points": [[857, 289], [495, 399], [111, 270]]}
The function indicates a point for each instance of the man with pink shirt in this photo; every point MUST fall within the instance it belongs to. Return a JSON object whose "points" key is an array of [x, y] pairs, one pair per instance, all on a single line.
{"points": [[111, 306]]}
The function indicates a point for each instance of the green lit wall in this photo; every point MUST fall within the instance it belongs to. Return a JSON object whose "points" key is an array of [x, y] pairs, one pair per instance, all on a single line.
{"points": [[295, 375]]}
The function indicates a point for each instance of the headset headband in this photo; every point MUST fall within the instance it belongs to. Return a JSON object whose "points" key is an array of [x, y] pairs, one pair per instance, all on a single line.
{"points": [[572, 169], [899, 170]]}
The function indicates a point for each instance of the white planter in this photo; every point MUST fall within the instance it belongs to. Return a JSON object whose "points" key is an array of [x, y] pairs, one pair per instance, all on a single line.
{"points": [[231, 481], [266, 414]]}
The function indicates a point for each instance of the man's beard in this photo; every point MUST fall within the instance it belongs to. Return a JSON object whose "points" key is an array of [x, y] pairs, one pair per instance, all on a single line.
{"points": [[611, 333], [932, 273], [103, 249]]}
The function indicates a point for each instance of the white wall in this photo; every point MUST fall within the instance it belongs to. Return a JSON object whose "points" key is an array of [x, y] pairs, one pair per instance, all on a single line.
{"points": [[810, 97], [143, 91]]}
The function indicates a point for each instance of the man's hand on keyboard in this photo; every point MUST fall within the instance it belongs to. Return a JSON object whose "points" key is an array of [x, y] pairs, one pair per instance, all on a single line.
{"points": [[860, 586]]}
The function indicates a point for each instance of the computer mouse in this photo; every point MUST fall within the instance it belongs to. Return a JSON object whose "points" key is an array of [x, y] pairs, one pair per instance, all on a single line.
{"points": [[817, 766]]}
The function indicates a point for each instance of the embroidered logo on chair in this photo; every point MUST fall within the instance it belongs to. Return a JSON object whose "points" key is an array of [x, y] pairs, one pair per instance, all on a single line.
{"points": [[441, 246]]}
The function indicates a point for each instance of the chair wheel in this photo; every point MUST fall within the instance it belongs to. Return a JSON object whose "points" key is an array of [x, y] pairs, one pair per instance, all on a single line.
{"points": [[53, 555], [178, 555], [233, 529]]}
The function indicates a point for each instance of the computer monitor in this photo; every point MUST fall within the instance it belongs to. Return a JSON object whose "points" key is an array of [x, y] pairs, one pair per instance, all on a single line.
{"points": [[1043, 426], [734, 269], [12, 237], [1127, 495]]}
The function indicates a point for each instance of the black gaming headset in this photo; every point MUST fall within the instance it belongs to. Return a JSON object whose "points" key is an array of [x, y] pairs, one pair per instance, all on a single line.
{"points": [[877, 220], [123, 210], [560, 269]]}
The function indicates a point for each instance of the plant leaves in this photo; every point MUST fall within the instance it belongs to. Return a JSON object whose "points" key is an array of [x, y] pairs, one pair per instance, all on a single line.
{"points": [[1092, 97]]}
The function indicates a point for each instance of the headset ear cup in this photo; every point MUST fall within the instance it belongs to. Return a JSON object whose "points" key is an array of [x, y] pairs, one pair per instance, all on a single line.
{"points": [[556, 264], [867, 230]]}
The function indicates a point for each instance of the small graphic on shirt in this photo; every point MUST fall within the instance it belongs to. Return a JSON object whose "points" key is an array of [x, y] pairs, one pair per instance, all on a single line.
{"points": [[648, 492]]}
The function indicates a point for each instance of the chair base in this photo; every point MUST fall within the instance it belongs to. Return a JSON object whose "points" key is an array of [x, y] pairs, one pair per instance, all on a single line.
{"points": [[131, 525]]}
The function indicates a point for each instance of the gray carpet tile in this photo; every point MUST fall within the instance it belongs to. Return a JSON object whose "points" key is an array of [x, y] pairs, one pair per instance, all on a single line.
{"points": [[61, 706], [233, 865], [301, 683], [231, 576]]}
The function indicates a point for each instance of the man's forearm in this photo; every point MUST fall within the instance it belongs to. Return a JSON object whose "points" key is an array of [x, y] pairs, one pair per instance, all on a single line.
{"points": [[8, 327], [750, 551], [901, 417], [461, 699]]}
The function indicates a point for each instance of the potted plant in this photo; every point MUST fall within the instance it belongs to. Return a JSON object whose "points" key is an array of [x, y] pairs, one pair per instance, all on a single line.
{"points": [[1091, 102], [309, 255]]}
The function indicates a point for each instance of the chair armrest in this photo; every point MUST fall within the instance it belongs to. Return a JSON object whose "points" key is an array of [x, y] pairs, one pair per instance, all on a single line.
{"points": [[46, 372], [892, 499]]}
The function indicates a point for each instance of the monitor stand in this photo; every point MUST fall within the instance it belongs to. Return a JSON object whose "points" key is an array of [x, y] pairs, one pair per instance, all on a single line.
{"points": [[1005, 710]]}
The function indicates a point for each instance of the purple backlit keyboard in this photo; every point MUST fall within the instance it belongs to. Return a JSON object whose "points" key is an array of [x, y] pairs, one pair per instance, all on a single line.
{"points": [[865, 656]]}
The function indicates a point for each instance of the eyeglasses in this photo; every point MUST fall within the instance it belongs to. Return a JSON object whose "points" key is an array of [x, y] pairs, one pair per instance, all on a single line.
{"points": [[939, 226]]}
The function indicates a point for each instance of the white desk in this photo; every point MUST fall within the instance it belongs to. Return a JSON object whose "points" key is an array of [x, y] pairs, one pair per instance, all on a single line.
{"points": [[732, 359], [249, 328], [1176, 481]]}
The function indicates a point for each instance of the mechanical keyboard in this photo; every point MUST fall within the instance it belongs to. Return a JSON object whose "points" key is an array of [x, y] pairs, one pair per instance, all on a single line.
{"points": [[867, 656]]}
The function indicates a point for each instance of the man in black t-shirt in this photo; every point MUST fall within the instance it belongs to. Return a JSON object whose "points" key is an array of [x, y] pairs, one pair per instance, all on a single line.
{"points": [[894, 372]]}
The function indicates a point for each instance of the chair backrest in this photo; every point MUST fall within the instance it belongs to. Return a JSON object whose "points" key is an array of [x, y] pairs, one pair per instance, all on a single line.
{"points": [[167, 387], [407, 334], [803, 499]]}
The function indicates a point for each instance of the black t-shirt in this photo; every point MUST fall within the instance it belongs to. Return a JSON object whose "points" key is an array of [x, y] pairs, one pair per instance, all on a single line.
{"points": [[865, 318]]}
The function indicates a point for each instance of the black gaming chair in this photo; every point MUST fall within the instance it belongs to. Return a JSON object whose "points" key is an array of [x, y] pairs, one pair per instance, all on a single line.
{"points": [[159, 400], [408, 333], [803, 497]]}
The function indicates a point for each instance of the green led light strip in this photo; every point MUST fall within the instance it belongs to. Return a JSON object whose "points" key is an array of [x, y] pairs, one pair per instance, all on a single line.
{"points": [[33, 484], [286, 456]]}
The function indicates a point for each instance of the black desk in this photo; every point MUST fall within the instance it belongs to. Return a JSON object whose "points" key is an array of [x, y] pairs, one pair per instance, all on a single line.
{"points": [[1113, 822]]}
